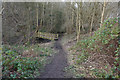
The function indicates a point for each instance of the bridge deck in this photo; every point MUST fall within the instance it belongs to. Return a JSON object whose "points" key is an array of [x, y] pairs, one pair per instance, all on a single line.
{"points": [[45, 35]]}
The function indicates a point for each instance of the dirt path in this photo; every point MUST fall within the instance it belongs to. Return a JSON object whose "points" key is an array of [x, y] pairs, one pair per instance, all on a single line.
{"points": [[56, 68]]}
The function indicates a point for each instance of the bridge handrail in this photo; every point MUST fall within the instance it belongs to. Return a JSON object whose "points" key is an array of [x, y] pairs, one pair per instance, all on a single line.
{"points": [[46, 35]]}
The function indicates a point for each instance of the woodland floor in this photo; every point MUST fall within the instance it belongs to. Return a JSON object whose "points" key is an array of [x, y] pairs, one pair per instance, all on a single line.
{"points": [[56, 69]]}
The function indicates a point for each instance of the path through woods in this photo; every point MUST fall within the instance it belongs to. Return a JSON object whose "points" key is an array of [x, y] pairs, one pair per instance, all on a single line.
{"points": [[56, 68]]}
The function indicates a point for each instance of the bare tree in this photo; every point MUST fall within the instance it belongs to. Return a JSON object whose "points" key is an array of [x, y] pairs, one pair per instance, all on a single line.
{"points": [[102, 15]]}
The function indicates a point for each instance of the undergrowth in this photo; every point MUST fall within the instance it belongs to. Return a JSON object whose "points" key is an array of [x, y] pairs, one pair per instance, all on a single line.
{"points": [[25, 63], [102, 42]]}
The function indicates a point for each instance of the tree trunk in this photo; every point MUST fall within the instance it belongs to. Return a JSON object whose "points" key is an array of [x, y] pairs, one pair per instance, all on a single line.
{"points": [[43, 14], [92, 19], [102, 16], [72, 18], [77, 23], [80, 21], [78, 36], [51, 16], [29, 26], [37, 17]]}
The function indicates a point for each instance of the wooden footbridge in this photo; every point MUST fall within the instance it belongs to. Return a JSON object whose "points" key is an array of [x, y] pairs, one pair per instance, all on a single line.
{"points": [[45, 35]]}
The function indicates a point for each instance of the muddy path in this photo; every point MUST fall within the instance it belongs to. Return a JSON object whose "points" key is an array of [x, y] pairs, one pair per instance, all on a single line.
{"points": [[55, 69]]}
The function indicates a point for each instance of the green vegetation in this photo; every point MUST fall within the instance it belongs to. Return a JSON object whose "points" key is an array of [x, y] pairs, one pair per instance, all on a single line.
{"points": [[88, 31], [26, 64], [104, 42]]}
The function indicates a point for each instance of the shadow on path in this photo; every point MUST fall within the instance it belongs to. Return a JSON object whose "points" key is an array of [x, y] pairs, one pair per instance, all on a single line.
{"points": [[56, 68]]}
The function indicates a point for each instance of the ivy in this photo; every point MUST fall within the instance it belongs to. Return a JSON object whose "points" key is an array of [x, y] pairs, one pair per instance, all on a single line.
{"points": [[17, 66]]}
